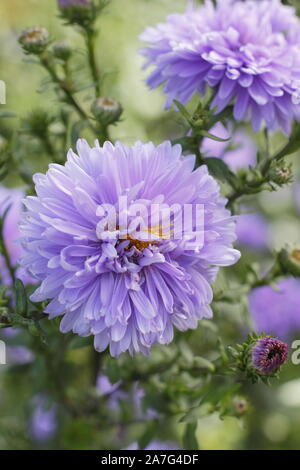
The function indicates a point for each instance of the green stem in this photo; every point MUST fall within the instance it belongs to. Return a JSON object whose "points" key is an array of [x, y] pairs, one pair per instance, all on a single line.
{"points": [[5, 254], [90, 37], [67, 92]]}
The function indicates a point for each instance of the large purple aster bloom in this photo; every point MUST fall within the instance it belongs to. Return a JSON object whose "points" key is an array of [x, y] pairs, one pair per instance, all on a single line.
{"points": [[248, 52], [277, 312], [129, 292]]}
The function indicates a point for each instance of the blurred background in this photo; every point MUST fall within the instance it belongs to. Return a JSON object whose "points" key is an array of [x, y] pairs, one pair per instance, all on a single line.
{"points": [[33, 414]]}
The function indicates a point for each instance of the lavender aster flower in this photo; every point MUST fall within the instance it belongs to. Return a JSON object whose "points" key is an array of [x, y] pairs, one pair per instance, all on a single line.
{"points": [[268, 354], [127, 292], [277, 311], [239, 153], [248, 52]]}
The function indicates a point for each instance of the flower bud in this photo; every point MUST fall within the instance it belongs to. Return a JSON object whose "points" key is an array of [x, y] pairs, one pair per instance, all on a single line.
{"points": [[290, 261], [34, 40], [240, 405], [81, 12], [268, 354], [281, 175], [106, 110], [62, 50]]}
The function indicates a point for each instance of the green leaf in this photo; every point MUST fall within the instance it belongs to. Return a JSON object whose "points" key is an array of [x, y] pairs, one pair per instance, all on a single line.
{"points": [[21, 298], [189, 441], [212, 137], [76, 131], [149, 434], [204, 363], [220, 170], [182, 110]]}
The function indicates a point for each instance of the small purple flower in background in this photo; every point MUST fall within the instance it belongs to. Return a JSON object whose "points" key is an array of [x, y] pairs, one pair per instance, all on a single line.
{"points": [[129, 293], [19, 355], [252, 231], [104, 387], [43, 422], [239, 152], [277, 311], [11, 233], [248, 52], [155, 445], [71, 3], [268, 354]]}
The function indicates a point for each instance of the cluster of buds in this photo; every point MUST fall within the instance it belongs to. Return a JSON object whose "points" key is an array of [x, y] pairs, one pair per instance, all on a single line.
{"points": [[260, 357], [289, 260], [106, 110], [34, 40], [81, 12]]}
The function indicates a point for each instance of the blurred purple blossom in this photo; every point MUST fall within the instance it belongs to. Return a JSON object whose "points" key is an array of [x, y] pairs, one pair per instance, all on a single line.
{"points": [[253, 231], [43, 422], [277, 312], [239, 152]]}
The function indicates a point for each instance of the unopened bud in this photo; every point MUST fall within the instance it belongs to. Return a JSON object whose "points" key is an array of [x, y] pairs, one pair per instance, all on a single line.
{"points": [[80, 12], [290, 261], [34, 40], [62, 50], [106, 110], [240, 405], [268, 354], [281, 175]]}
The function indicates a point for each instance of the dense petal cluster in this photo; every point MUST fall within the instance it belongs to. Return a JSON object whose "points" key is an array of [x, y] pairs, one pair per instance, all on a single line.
{"points": [[277, 311], [268, 354], [129, 293], [247, 51]]}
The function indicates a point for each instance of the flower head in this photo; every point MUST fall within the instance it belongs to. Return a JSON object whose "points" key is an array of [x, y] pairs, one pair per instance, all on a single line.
{"points": [[277, 311], [268, 354], [104, 267], [247, 51]]}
